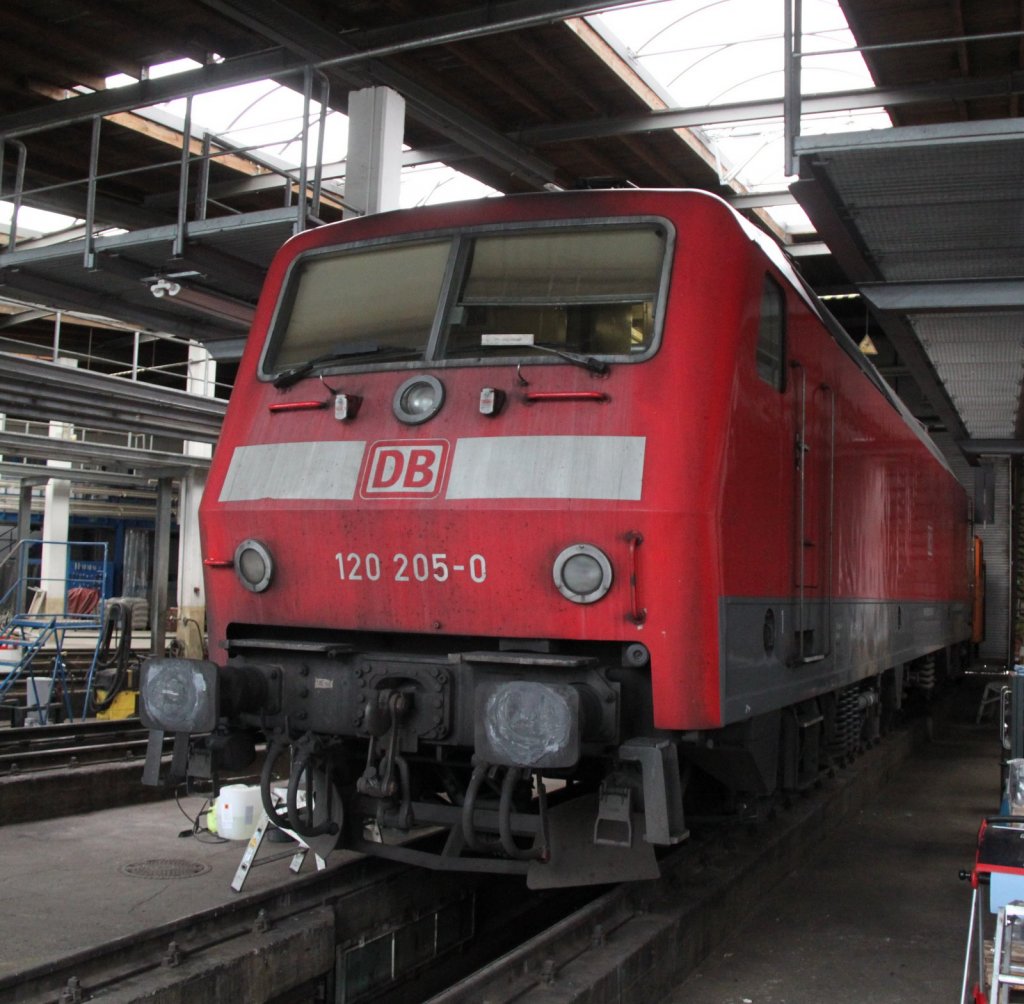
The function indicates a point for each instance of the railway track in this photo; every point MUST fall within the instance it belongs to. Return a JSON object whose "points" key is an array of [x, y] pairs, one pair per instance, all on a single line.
{"points": [[320, 936], [367, 930], [69, 745], [634, 942]]}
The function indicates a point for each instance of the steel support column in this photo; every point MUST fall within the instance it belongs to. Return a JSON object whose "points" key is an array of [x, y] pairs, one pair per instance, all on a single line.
{"points": [[793, 34], [161, 567], [23, 532]]}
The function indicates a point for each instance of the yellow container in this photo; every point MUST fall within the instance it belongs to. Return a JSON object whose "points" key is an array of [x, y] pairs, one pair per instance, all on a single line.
{"points": [[125, 705]]}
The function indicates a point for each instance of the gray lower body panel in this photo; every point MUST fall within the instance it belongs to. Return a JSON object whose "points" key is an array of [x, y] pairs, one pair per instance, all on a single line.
{"points": [[774, 654]]}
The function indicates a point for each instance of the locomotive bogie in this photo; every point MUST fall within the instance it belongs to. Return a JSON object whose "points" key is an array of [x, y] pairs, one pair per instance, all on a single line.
{"points": [[585, 486]]}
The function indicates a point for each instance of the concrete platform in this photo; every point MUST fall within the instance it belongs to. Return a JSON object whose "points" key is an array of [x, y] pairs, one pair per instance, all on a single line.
{"points": [[878, 913], [70, 884]]}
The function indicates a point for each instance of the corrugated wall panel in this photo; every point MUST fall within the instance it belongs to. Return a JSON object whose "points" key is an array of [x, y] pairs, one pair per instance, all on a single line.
{"points": [[996, 537]]}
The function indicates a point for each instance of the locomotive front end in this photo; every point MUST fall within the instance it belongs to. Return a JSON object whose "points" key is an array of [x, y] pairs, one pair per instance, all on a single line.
{"points": [[423, 533]]}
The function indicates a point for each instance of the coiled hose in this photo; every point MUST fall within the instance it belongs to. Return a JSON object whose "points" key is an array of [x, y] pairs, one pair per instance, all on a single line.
{"points": [[117, 616]]}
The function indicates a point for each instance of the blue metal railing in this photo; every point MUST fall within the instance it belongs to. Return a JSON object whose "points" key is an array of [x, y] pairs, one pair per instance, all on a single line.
{"points": [[30, 628]]}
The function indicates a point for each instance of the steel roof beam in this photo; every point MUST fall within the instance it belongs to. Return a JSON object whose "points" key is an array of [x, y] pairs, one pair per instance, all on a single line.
{"points": [[927, 297], [36, 474], [915, 137], [812, 104], [22, 284], [244, 70], [23, 317], [488, 20], [121, 458], [281, 24], [33, 388], [1003, 447]]}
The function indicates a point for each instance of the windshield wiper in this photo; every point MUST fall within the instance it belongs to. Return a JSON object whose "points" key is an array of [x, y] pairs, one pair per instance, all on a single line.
{"points": [[587, 362], [294, 375]]}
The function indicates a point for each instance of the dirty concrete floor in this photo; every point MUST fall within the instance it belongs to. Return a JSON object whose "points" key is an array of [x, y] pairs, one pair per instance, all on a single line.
{"points": [[878, 913], [69, 885]]}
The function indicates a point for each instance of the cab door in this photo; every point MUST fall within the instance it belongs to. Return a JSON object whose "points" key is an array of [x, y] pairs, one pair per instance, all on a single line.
{"points": [[814, 516]]}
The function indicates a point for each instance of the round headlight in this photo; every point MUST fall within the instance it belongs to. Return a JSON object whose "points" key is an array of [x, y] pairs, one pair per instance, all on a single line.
{"points": [[178, 695], [583, 573], [417, 399], [253, 565], [531, 724]]}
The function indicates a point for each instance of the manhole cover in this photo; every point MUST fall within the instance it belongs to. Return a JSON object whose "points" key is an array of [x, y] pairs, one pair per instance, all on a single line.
{"points": [[165, 868]]}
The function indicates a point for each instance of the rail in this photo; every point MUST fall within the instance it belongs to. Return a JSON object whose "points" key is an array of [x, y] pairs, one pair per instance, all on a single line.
{"points": [[25, 749]]}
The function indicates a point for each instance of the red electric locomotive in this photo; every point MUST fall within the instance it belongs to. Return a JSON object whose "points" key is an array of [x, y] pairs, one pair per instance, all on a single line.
{"points": [[528, 509]]}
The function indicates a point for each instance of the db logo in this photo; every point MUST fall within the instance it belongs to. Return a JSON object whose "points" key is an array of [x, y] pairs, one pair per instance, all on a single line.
{"points": [[404, 469]]}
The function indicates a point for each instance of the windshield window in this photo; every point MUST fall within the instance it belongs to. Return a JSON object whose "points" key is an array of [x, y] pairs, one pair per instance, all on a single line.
{"points": [[384, 296], [591, 291]]}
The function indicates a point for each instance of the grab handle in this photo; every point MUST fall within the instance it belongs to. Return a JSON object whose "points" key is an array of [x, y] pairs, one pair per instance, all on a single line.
{"points": [[638, 614]]}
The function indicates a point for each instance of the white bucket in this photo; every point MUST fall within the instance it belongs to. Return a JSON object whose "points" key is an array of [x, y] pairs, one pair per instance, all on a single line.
{"points": [[238, 809], [37, 697]]}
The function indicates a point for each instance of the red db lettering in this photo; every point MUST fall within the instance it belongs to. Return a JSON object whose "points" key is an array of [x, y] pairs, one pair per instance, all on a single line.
{"points": [[387, 469], [421, 470], [405, 469]]}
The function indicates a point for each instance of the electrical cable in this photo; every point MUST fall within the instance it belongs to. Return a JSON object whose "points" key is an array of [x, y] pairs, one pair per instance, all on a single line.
{"points": [[116, 616], [197, 827]]}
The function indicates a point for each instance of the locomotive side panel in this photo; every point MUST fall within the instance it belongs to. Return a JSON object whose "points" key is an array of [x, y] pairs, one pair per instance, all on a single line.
{"points": [[849, 559]]}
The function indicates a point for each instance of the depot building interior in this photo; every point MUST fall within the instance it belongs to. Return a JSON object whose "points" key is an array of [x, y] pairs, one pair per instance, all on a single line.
{"points": [[154, 157]]}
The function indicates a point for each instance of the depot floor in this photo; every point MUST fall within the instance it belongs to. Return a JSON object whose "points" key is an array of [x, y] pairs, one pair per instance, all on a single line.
{"points": [[75, 883], [878, 913]]}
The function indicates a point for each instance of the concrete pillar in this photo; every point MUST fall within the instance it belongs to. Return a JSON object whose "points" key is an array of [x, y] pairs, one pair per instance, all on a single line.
{"points": [[56, 520], [191, 626], [373, 167], [54, 566]]}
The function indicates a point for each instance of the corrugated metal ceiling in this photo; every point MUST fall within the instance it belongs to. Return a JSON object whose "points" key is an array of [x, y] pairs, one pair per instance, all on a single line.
{"points": [[942, 208], [934, 209]]}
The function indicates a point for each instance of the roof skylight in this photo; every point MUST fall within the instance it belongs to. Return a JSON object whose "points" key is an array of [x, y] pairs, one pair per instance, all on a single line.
{"points": [[712, 52]]}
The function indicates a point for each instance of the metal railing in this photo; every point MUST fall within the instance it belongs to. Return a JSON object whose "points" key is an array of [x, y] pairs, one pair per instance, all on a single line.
{"points": [[32, 625], [85, 568]]}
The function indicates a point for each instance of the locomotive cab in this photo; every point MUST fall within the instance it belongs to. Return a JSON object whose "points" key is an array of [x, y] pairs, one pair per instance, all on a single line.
{"points": [[422, 546]]}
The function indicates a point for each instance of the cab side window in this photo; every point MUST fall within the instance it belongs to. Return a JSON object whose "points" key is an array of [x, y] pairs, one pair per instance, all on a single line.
{"points": [[771, 335]]}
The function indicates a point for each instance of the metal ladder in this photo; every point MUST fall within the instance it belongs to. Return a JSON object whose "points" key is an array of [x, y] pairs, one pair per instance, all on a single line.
{"points": [[26, 636], [249, 862], [1006, 973]]}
